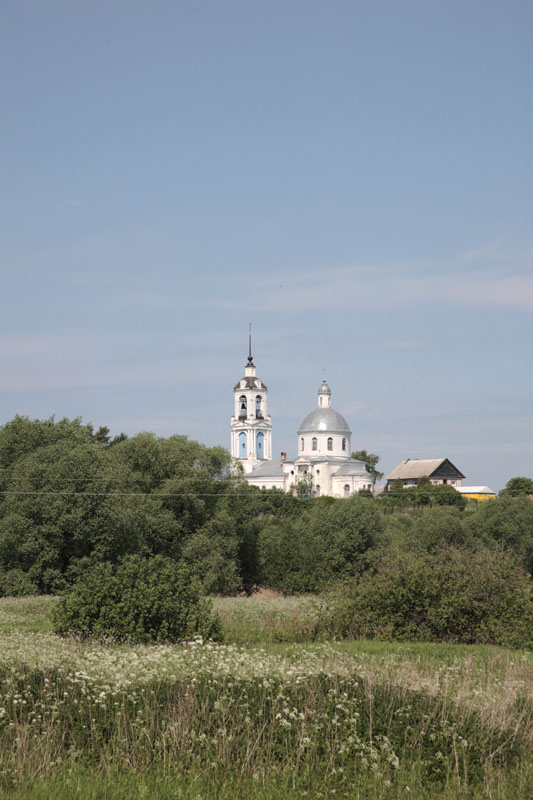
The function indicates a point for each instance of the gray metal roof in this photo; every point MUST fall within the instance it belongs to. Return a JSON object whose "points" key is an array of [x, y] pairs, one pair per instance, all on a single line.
{"points": [[353, 467], [324, 420], [416, 468], [268, 469], [475, 490], [250, 383]]}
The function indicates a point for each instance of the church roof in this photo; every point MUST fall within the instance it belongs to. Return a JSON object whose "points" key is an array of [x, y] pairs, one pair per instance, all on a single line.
{"points": [[250, 382], [324, 420], [268, 469], [353, 467]]}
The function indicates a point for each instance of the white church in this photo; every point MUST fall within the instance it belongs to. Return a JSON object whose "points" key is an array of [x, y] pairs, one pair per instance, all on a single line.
{"points": [[323, 447]]}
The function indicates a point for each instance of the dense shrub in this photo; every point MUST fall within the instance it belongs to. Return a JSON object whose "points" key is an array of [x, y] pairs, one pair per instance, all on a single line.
{"points": [[141, 600], [16, 583], [508, 521], [466, 596]]}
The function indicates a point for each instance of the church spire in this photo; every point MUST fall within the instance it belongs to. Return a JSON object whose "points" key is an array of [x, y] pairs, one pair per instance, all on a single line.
{"points": [[250, 357]]}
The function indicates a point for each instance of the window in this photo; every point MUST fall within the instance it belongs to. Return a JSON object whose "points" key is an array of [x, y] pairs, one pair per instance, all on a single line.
{"points": [[330, 443], [344, 444], [258, 413], [320, 401], [317, 491], [302, 443], [318, 472], [314, 443], [243, 450], [243, 405], [260, 445], [346, 490]]}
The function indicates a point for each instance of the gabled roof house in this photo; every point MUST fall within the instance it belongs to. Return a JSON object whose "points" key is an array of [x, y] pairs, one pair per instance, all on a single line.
{"points": [[438, 470]]}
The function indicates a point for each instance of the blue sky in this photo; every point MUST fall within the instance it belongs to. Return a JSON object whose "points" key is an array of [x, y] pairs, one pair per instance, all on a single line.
{"points": [[356, 178]]}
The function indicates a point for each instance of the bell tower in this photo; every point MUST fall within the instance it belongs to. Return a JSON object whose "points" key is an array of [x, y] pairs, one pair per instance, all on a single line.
{"points": [[251, 427]]}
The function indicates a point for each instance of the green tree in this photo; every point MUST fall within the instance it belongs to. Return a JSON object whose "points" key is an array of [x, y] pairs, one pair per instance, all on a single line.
{"points": [[445, 495], [22, 436], [421, 494], [291, 557], [331, 540], [67, 504], [515, 487], [370, 461], [211, 555], [508, 521]]}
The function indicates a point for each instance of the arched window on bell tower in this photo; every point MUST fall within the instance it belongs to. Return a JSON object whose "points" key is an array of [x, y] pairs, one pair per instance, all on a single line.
{"points": [[243, 406], [258, 413], [243, 450]]}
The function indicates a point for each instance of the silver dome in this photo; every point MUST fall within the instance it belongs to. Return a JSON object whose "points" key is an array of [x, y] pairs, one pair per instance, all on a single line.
{"points": [[324, 388], [324, 420]]}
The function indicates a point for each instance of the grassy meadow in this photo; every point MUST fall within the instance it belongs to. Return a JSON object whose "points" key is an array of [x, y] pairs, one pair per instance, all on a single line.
{"points": [[274, 712]]}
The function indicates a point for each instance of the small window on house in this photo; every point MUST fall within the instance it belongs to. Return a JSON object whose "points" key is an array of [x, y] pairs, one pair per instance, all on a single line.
{"points": [[318, 472], [347, 490], [263, 487], [344, 444], [330, 443], [314, 443]]}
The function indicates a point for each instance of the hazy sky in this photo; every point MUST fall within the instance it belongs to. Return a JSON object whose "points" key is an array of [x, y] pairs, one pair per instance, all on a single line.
{"points": [[354, 177]]}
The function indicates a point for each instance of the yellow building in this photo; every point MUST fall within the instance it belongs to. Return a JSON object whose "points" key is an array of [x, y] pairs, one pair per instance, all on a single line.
{"points": [[479, 493]]}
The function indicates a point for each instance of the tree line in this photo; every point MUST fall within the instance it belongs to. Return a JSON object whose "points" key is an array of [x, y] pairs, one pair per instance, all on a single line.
{"points": [[72, 497]]}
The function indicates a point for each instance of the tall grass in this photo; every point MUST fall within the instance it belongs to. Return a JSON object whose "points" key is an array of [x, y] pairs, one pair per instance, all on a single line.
{"points": [[208, 721], [261, 620]]}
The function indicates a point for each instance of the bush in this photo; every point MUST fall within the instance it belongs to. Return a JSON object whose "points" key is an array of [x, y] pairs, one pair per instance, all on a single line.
{"points": [[464, 596], [141, 600], [16, 583]]}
